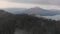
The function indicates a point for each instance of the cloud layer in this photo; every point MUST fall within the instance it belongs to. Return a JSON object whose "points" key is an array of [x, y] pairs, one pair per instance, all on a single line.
{"points": [[46, 2]]}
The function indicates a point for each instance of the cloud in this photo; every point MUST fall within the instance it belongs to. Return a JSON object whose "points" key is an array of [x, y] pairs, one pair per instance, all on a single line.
{"points": [[4, 0], [5, 4], [24, 5], [46, 2], [11, 4], [56, 17]]}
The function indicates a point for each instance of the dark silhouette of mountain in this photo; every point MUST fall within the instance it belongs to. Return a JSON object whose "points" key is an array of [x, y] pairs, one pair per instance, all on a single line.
{"points": [[42, 12], [36, 10], [4, 13], [27, 24]]}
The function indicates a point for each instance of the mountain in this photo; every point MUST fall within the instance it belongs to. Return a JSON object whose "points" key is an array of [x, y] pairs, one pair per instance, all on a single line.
{"points": [[5, 14], [42, 12], [36, 10], [15, 10]]}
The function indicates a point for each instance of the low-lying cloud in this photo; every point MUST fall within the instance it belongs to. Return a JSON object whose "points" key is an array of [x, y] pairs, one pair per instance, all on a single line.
{"points": [[56, 17]]}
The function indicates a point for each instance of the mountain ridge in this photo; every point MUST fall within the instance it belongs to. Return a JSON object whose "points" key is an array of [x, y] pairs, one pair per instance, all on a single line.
{"points": [[36, 10]]}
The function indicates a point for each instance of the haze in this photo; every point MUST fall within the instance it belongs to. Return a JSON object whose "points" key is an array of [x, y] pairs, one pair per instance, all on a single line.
{"points": [[29, 4]]}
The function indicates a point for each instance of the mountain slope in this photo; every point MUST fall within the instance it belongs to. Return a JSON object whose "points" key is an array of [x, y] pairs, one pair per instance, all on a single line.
{"points": [[42, 12], [36, 10], [15, 10]]}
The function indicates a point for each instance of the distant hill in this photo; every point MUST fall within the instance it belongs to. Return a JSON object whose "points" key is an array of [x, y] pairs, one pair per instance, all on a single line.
{"points": [[36, 10], [42, 12], [5, 14], [15, 10]]}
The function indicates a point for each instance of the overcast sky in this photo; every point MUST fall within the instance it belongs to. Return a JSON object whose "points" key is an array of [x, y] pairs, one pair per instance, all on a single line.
{"points": [[50, 4], [46, 2]]}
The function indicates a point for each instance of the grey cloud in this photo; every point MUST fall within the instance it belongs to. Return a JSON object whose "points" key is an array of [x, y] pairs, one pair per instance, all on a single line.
{"points": [[48, 2]]}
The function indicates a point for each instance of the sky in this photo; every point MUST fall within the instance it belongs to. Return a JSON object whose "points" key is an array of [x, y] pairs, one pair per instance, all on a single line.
{"points": [[46, 4]]}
